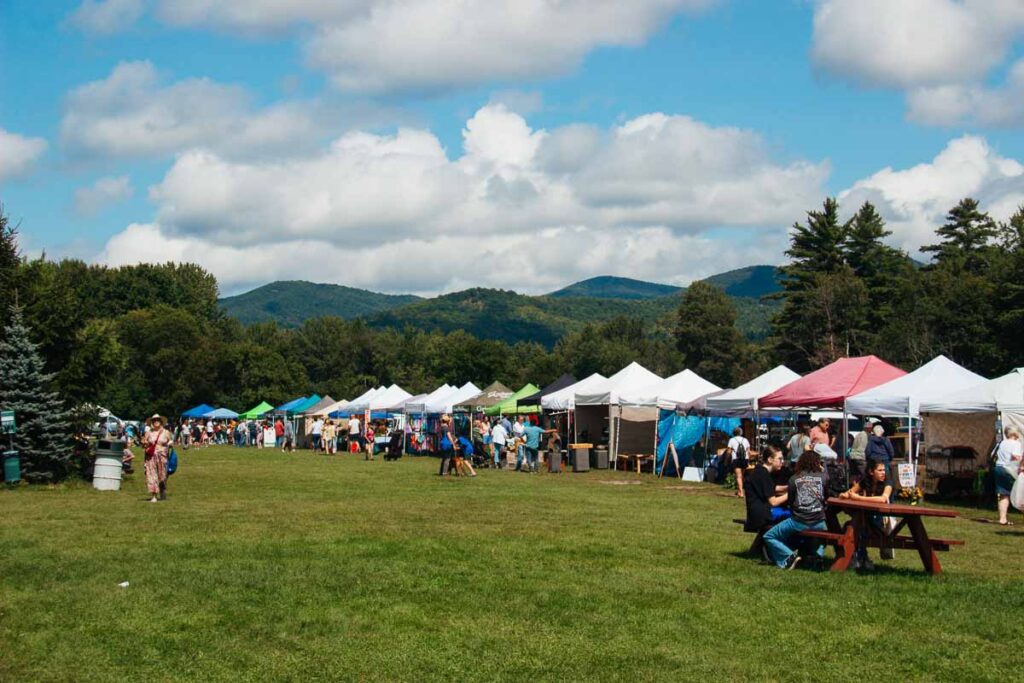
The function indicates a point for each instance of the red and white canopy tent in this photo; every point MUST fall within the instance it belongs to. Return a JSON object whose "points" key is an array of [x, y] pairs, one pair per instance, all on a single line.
{"points": [[828, 388]]}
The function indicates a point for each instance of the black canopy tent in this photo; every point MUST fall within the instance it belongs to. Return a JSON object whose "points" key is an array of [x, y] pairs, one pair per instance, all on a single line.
{"points": [[560, 383]]}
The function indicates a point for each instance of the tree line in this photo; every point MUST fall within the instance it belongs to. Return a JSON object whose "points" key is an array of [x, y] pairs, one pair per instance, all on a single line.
{"points": [[152, 338]]}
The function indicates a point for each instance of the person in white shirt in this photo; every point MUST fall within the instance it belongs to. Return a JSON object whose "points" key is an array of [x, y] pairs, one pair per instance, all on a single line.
{"points": [[354, 435], [1008, 463], [498, 438], [317, 430], [740, 449]]}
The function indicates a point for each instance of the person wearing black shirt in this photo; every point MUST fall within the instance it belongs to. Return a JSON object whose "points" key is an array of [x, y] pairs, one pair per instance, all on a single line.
{"points": [[762, 494], [807, 493], [877, 488]]}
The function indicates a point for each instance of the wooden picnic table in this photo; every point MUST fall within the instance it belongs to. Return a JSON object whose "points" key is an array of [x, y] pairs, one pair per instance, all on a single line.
{"points": [[860, 534]]}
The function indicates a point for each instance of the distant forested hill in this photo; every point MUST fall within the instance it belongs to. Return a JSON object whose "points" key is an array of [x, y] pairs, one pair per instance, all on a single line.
{"points": [[502, 314], [290, 303]]}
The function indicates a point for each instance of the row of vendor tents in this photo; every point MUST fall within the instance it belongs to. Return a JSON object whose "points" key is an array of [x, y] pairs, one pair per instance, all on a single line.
{"points": [[634, 406]]}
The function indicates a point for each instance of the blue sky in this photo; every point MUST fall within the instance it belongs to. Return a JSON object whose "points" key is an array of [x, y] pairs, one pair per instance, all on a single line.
{"points": [[519, 145]]}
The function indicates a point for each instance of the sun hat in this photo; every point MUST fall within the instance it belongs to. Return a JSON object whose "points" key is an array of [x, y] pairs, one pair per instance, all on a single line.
{"points": [[154, 417]]}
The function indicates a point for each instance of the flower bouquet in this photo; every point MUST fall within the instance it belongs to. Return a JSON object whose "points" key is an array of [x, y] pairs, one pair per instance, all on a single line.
{"points": [[911, 496]]}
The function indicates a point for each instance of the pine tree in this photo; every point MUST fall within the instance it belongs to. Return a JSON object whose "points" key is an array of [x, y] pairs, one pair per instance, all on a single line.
{"points": [[44, 435], [966, 239], [816, 249], [878, 265]]}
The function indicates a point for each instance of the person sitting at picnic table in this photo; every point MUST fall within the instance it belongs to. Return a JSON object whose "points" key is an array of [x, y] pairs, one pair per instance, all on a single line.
{"points": [[807, 492], [1008, 464], [763, 496], [875, 487]]}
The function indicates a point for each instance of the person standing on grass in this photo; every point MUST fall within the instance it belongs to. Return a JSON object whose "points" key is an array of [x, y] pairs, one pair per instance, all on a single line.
{"points": [[807, 492], [279, 433], [371, 441], [533, 434], [353, 433], [446, 445], [157, 443], [799, 442], [740, 449], [329, 437], [498, 438], [317, 432], [820, 434], [1008, 466], [289, 436]]}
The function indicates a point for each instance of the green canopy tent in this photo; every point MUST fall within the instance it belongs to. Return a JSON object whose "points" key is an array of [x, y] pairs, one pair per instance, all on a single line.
{"points": [[259, 410], [510, 405]]}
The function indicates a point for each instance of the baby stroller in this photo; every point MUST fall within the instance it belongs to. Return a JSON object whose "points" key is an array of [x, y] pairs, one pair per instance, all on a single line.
{"points": [[478, 454], [394, 448]]}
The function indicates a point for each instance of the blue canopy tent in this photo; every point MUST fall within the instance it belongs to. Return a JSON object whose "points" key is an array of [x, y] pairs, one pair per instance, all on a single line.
{"points": [[199, 411], [684, 431], [221, 414], [290, 406], [306, 404]]}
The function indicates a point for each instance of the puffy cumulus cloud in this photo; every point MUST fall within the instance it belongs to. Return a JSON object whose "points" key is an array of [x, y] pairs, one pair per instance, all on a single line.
{"points": [[639, 199], [133, 112], [18, 154], [939, 51], [379, 46], [105, 17], [915, 201], [91, 200], [949, 105]]}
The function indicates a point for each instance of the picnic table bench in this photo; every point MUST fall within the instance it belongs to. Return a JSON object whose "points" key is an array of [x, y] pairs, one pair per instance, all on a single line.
{"points": [[860, 533]]}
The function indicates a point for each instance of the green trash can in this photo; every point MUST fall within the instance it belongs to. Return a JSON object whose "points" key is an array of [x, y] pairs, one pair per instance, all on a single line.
{"points": [[12, 467]]}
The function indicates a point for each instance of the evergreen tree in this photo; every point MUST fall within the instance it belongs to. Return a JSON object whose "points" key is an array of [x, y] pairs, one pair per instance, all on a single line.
{"points": [[816, 249], [878, 265], [706, 334], [966, 244], [44, 435]]}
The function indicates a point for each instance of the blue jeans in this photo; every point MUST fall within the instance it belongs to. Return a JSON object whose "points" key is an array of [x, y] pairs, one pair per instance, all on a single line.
{"points": [[520, 456], [778, 536], [532, 453]]}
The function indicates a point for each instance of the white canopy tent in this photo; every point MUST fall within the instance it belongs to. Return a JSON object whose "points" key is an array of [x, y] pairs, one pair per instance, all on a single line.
{"points": [[360, 403], [399, 406], [599, 404], [742, 401], [444, 403], [902, 396], [681, 387], [968, 417], [565, 399], [420, 407], [388, 397]]}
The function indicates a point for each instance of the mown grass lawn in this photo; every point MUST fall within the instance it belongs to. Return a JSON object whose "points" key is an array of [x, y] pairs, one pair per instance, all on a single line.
{"points": [[264, 566]]}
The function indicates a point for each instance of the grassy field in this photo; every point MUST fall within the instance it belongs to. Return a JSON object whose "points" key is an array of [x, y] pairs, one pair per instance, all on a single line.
{"points": [[264, 566]]}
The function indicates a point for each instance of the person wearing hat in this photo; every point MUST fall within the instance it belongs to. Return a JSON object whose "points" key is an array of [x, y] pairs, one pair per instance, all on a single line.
{"points": [[158, 445]]}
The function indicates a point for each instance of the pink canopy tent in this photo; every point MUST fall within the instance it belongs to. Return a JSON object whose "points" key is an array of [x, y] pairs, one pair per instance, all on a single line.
{"points": [[830, 386]]}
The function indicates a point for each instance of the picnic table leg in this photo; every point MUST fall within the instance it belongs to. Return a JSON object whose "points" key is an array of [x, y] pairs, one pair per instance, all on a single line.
{"points": [[845, 549], [924, 546]]}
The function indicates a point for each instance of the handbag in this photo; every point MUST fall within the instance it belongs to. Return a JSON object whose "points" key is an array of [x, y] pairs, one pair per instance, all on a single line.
{"points": [[1017, 493], [151, 447]]}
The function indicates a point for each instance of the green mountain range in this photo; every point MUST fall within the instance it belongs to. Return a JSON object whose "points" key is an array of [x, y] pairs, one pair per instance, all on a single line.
{"points": [[292, 302], [502, 314]]}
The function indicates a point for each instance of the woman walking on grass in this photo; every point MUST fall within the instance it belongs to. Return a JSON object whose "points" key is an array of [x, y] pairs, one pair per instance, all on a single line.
{"points": [[158, 445]]}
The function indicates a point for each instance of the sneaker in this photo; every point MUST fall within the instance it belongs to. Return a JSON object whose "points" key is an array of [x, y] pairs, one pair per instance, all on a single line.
{"points": [[866, 566], [792, 561]]}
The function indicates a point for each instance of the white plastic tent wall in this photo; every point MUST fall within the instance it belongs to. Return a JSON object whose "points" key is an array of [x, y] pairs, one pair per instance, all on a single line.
{"points": [[565, 399], [399, 406], [742, 400], [444, 404], [420, 407], [902, 396], [1002, 394], [629, 379], [334, 407]]}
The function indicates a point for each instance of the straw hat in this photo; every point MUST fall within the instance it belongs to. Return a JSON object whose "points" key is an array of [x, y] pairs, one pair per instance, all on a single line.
{"points": [[154, 417]]}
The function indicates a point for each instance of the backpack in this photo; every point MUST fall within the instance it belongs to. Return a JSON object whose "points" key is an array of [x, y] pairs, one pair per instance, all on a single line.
{"points": [[838, 480], [741, 452]]}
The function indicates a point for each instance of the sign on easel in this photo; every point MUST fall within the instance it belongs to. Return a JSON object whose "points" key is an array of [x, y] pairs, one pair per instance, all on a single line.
{"points": [[7, 423], [907, 475]]}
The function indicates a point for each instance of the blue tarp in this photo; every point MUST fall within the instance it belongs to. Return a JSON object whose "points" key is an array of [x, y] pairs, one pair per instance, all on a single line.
{"points": [[685, 431], [198, 411], [221, 414], [376, 415]]}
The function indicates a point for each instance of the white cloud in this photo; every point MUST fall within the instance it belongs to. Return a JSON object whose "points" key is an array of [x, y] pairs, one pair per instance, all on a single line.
{"points": [[380, 46], [950, 105], [105, 17], [915, 201], [939, 51], [637, 199], [91, 200], [18, 154], [133, 112]]}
